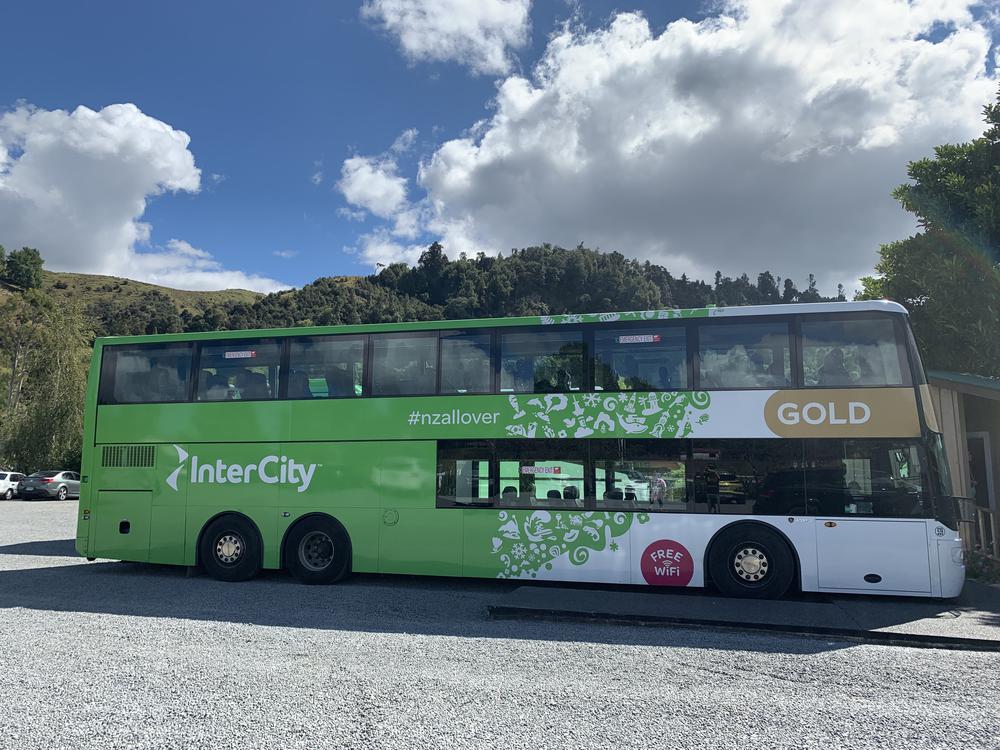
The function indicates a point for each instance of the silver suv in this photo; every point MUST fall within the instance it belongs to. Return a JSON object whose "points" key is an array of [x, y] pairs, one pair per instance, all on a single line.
{"points": [[50, 484]]}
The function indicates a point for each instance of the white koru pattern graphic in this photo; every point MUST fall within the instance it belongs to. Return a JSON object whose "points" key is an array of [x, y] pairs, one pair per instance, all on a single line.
{"points": [[558, 415]]}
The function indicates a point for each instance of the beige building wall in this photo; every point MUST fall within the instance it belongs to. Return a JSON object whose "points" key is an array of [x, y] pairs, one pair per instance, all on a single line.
{"points": [[950, 409]]}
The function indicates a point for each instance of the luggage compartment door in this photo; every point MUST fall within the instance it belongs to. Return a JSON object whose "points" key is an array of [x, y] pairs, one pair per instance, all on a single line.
{"points": [[873, 555], [122, 529]]}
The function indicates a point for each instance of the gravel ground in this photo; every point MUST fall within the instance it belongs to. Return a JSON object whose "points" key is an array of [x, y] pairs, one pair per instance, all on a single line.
{"points": [[118, 655]]}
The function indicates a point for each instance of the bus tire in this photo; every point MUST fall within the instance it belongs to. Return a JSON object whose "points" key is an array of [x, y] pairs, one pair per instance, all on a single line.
{"points": [[318, 550], [751, 561], [230, 549]]}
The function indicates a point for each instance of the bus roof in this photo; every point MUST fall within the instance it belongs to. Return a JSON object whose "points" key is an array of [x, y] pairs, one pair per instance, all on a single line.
{"points": [[882, 306]]}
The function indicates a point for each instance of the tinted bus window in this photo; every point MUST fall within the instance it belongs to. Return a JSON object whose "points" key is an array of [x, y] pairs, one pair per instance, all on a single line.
{"points": [[640, 359], [541, 362], [325, 367], [763, 477], [465, 363], [404, 365], [744, 355], [463, 473], [239, 370], [542, 473], [844, 353], [643, 475], [145, 374], [866, 478]]}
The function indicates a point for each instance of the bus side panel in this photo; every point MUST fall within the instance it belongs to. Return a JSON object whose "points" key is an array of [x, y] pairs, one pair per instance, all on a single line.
{"points": [[414, 536], [670, 548], [129, 487], [84, 527], [342, 482], [189, 424], [166, 533], [219, 481], [658, 549], [121, 527]]}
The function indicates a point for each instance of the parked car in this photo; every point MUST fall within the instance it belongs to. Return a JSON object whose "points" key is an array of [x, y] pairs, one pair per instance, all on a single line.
{"points": [[50, 484], [8, 484]]}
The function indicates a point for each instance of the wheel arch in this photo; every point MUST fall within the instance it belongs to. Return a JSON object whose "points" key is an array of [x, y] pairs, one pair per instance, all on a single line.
{"points": [[216, 517], [797, 575], [303, 519]]}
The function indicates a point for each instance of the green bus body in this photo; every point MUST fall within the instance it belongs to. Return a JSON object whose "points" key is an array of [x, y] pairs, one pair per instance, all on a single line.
{"points": [[155, 474]]}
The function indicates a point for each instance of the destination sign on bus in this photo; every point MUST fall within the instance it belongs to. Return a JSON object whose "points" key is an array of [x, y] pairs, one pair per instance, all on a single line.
{"points": [[541, 469], [240, 355], [640, 338]]}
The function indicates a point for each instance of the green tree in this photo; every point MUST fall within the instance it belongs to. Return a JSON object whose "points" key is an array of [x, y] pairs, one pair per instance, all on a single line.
{"points": [[811, 294], [947, 274], [23, 268], [154, 313], [45, 351]]}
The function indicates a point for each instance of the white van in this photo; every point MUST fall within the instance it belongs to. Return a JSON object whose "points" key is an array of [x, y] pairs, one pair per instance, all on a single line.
{"points": [[8, 484]]}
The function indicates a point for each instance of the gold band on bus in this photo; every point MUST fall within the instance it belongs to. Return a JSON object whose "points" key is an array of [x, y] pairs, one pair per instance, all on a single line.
{"points": [[843, 413]]}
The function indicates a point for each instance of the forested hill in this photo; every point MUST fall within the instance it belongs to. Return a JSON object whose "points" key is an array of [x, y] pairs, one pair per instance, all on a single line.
{"points": [[532, 281]]}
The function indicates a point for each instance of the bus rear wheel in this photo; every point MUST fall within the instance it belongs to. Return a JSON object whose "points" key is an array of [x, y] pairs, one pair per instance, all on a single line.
{"points": [[318, 550], [230, 549], [751, 561]]}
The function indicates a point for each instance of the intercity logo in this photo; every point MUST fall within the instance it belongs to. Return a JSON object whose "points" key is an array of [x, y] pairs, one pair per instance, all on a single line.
{"points": [[269, 470]]}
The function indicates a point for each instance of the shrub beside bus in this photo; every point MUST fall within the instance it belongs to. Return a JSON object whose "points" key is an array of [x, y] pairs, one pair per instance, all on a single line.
{"points": [[759, 448]]}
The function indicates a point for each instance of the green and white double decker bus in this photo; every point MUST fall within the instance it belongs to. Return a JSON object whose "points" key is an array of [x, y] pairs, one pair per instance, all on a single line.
{"points": [[759, 448]]}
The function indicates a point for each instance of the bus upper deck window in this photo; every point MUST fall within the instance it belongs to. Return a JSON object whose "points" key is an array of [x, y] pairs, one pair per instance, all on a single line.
{"points": [[146, 374], [640, 359], [465, 363], [845, 353], [239, 370], [403, 364], [744, 355], [541, 362], [325, 367]]}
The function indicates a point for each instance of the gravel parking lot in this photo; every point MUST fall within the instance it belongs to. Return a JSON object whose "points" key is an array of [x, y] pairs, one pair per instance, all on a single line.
{"points": [[122, 655]]}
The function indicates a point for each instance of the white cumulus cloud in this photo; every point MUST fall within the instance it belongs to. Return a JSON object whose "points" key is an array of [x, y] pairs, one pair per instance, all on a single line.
{"points": [[372, 184], [75, 185], [766, 136], [379, 248], [479, 34]]}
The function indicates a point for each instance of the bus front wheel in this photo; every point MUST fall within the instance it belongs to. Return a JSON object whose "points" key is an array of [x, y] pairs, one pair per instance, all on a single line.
{"points": [[230, 549], [752, 561], [318, 550]]}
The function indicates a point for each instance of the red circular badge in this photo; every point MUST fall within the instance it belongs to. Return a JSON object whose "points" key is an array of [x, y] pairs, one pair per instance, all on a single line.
{"points": [[667, 563]]}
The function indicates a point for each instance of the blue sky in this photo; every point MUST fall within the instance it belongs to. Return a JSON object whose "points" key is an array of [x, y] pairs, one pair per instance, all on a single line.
{"points": [[272, 95]]}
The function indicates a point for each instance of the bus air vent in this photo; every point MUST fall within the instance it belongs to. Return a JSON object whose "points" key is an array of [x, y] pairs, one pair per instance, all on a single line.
{"points": [[128, 456]]}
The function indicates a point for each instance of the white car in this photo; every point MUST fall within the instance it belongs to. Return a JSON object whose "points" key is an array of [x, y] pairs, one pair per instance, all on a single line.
{"points": [[8, 484]]}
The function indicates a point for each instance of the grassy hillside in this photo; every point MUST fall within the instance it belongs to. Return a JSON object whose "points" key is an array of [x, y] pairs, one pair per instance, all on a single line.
{"points": [[88, 288]]}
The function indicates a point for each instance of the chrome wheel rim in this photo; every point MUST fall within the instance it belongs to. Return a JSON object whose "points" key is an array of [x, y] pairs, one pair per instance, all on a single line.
{"points": [[62, 493], [229, 548], [750, 564], [316, 551]]}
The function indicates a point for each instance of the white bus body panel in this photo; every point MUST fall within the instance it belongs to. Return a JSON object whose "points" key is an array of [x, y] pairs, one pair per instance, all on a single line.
{"points": [[913, 557], [894, 551]]}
